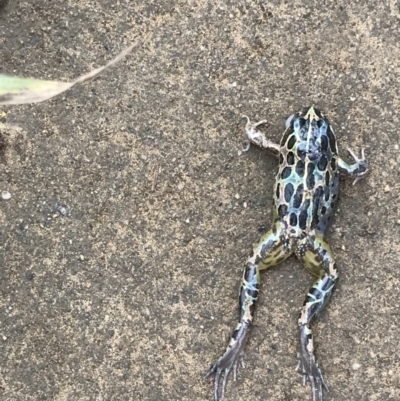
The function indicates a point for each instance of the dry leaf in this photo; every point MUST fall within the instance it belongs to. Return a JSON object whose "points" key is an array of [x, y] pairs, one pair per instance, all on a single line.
{"points": [[15, 90]]}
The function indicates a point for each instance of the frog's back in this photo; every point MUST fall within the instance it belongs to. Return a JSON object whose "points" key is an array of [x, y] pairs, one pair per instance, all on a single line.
{"points": [[307, 183]]}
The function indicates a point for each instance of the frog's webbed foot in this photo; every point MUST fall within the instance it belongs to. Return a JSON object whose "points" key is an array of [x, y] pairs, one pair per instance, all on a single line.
{"points": [[361, 163], [229, 361], [358, 169], [256, 137], [311, 371]]}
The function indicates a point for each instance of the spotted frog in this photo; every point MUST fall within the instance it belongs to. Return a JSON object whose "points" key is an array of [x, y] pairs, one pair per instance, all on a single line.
{"points": [[305, 193]]}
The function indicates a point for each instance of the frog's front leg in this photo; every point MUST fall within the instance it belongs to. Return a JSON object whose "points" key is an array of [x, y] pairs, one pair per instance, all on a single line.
{"points": [[270, 250], [358, 169], [257, 137], [318, 259]]}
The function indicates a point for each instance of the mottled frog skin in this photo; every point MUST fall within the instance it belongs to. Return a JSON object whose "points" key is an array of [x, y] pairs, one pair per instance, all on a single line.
{"points": [[305, 193]]}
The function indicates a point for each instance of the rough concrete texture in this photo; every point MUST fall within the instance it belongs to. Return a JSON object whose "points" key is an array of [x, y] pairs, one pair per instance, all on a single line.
{"points": [[132, 293]]}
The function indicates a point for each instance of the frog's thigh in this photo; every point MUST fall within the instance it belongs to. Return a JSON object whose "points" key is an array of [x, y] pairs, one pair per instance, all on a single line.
{"points": [[317, 256], [271, 249], [319, 260]]}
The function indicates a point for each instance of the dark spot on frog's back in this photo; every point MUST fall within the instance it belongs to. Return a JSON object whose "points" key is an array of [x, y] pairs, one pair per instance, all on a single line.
{"points": [[291, 142], [317, 197], [298, 196], [303, 219], [322, 163], [282, 210], [289, 189], [324, 143], [293, 219], [332, 141], [310, 176], [327, 178], [318, 193], [300, 168], [315, 220], [286, 172], [301, 154], [327, 193], [290, 158]]}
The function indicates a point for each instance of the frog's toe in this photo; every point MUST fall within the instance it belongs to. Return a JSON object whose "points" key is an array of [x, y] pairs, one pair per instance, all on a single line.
{"points": [[223, 367], [317, 383], [314, 375], [229, 361], [355, 157], [225, 373]]}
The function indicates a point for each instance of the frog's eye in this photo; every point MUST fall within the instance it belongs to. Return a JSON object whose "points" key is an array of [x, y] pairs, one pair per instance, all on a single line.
{"points": [[288, 121]]}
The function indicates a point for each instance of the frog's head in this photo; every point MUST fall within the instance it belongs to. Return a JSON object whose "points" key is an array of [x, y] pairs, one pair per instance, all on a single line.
{"points": [[311, 127], [307, 115]]}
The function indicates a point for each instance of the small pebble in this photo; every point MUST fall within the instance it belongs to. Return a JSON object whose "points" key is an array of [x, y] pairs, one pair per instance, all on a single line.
{"points": [[29, 275], [62, 209], [356, 366], [5, 195]]}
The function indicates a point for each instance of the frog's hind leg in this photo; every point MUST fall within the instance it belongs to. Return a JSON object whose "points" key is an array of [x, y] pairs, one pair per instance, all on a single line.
{"points": [[271, 249], [318, 259]]}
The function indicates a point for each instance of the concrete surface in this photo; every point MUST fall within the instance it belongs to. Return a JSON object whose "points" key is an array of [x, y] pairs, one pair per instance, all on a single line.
{"points": [[132, 213]]}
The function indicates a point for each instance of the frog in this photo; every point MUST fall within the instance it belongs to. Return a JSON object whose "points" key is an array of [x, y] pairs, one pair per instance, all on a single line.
{"points": [[305, 195]]}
